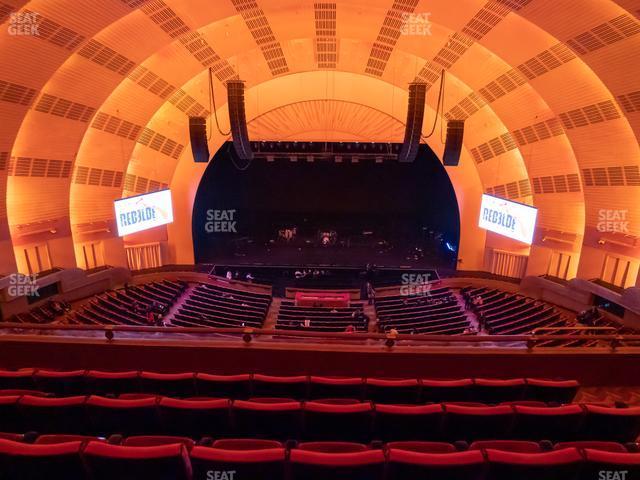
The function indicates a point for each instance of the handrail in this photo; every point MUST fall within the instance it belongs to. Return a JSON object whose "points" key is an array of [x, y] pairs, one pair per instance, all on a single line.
{"points": [[581, 328], [249, 333]]}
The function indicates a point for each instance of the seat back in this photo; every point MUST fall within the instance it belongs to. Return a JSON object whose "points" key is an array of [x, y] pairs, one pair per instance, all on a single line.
{"points": [[194, 418], [463, 422], [223, 386], [127, 417], [61, 383], [65, 415], [408, 464], [613, 424], [30, 462], [605, 461], [335, 387], [259, 463], [338, 422], [315, 465], [560, 391], [170, 384], [17, 379], [548, 423], [278, 420], [273, 386], [112, 383], [438, 391], [408, 422], [163, 462], [555, 465], [382, 390], [496, 391]]}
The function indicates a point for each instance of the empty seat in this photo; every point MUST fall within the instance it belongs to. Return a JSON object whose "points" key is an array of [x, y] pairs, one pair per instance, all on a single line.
{"points": [[69, 382], [547, 423], [495, 391], [115, 383], [17, 379], [194, 418], [438, 391], [223, 386], [555, 465], [424, 447], [561, 391], [273, 386], [334, 421], [53, 415], [410, 465], [170, 384], [408, 422], [333, 447], [50, 439], [335, 387], [384, 390], [9, 418], [160, 462], [614, 424], [521, 446], [39, 462], [246, 444], [278, 419], [315, 465], [153, 440], [464, 422], [593, 444], [598, 461], [126, 417], [258, 463]]}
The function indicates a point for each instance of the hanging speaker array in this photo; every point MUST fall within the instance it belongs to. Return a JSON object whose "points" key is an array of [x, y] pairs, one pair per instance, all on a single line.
{"points": [[415, 118], [198, 137], [238, 120], [453, 144]]}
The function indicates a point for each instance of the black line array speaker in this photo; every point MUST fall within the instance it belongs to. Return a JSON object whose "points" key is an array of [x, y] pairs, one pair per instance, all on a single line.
{"points": [[198, 136], [453, 144], [238, 119], [415, 117]]}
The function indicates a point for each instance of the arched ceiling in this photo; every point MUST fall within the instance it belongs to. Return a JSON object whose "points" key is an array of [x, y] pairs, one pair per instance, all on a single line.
{"points": [[95, 104]]}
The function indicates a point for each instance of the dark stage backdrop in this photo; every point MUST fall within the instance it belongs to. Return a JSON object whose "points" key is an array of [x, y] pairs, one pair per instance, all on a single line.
{"points": [[397, 202]]}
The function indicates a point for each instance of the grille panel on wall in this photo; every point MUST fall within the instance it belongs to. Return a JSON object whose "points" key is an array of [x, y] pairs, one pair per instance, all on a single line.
{"points": [[508, 264]]}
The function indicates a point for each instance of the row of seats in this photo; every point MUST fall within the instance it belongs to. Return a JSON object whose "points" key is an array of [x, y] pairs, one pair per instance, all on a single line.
{"points": [[242, 386], [329, 419], [434, 311], [128, 306], [271, 460], [291, 317], [222, 307]]}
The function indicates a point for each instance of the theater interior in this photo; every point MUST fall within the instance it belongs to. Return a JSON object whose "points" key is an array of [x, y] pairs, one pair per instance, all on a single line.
{"points": [[282, 240]]}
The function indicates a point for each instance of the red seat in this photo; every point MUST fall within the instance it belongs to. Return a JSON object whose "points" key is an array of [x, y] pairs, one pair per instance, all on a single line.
{"points": [[279, 420], [605, 461], [548, 423], [424, 447], [314, 465], [20, 392], [409, 465], [63, 438], [223, 386], [126, 417], [246, 444], [470, 423], [258, 463], [273, 386], [613, 424], [592, 444], [9, 418], [153, 440], [170, 384], [386, 390], [69, 382], [556, 465], [38, 462], [342, 422], [335, 387], [333, 447], [160, 462], [21, 379], [560, 391], [53, 415], [194, 418], [521, 446], [409, 422], [490, 390], [16, 437], [438, 391], [116, 383]]}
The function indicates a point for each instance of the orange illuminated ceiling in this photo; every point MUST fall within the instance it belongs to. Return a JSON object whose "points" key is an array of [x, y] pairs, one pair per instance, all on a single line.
{"points": [[94, 105]]}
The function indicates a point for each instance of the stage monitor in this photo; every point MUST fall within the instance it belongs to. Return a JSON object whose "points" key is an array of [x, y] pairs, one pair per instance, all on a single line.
{"points": [[149, 210], [511, 219]]}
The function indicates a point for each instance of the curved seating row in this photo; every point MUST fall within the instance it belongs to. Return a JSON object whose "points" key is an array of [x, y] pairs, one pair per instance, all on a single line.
{"points": [[384, 390], [329, 419], [269, 460]]}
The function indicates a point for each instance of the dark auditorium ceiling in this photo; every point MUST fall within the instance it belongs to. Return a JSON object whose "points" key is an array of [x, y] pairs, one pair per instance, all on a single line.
{"points": [[95, 106]]}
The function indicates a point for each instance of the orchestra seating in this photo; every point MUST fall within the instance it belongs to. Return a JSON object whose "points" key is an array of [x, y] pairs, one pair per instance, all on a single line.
{"points": [[44, 314], [436, 312], [292, 317], [139, 424], [127, 306], [216, 306]]}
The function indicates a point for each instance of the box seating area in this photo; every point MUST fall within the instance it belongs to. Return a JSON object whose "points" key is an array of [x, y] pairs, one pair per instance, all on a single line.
{"points": [[138, 424], [291, 317], [504, 313], [436, 312], [116, 307], [42, 314], [215, 306]]}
